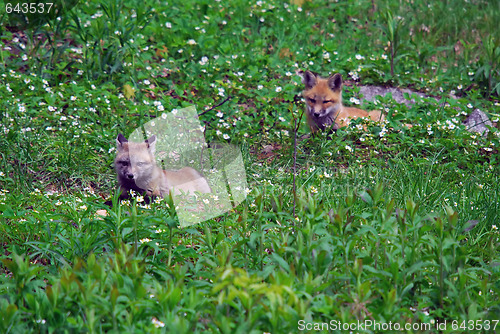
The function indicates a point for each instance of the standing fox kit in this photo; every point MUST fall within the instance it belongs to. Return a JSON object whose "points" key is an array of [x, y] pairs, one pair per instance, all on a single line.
{"points": [[324, 107], [137, 170]]}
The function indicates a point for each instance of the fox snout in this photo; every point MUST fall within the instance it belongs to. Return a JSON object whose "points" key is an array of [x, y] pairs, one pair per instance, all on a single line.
{"points": [[317, 112], [134, 172]]}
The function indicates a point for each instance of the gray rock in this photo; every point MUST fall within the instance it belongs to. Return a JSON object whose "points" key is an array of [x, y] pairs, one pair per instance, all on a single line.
{"points": [[371, 92], [477, 121]]}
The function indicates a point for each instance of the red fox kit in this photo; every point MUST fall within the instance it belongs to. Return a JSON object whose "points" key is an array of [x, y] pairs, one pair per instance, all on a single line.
{"points": [[137, 170], [324, 107]]}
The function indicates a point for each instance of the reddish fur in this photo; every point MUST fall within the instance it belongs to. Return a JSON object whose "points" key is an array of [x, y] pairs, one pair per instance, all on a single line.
{"points": [[324, 102]]}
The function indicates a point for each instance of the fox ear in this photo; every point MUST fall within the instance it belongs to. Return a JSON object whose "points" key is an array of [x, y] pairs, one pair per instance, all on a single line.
{"points": [[120, 140], [151, 142], [335, 82], [309, 79], [151, 139]]}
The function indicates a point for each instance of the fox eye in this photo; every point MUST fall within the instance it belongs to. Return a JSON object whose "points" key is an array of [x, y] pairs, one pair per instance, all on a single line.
{"points": [[327, 101], [312, 100], [124, 163]]}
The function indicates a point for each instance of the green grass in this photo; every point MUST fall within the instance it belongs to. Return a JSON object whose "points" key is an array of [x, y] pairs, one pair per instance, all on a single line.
{"points": [[393, 225]]}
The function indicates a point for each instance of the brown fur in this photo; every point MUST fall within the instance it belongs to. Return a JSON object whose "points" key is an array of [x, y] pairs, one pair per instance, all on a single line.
{"points": [[324, 108], [137, 170]]}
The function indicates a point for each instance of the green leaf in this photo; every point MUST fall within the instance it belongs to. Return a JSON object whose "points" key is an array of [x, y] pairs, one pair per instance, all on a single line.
{"points": [[281, 262]]}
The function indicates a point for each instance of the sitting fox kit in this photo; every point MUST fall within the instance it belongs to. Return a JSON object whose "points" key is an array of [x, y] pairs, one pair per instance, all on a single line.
{"points": [[137, 170], [324, 107]]}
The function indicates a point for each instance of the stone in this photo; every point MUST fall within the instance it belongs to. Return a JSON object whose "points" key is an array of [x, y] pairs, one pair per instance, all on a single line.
{"points": [[371, 92], [477, 122]]}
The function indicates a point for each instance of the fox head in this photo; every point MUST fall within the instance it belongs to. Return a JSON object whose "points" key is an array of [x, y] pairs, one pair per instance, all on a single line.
{"points": [[323, 96], [135, 162]]}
